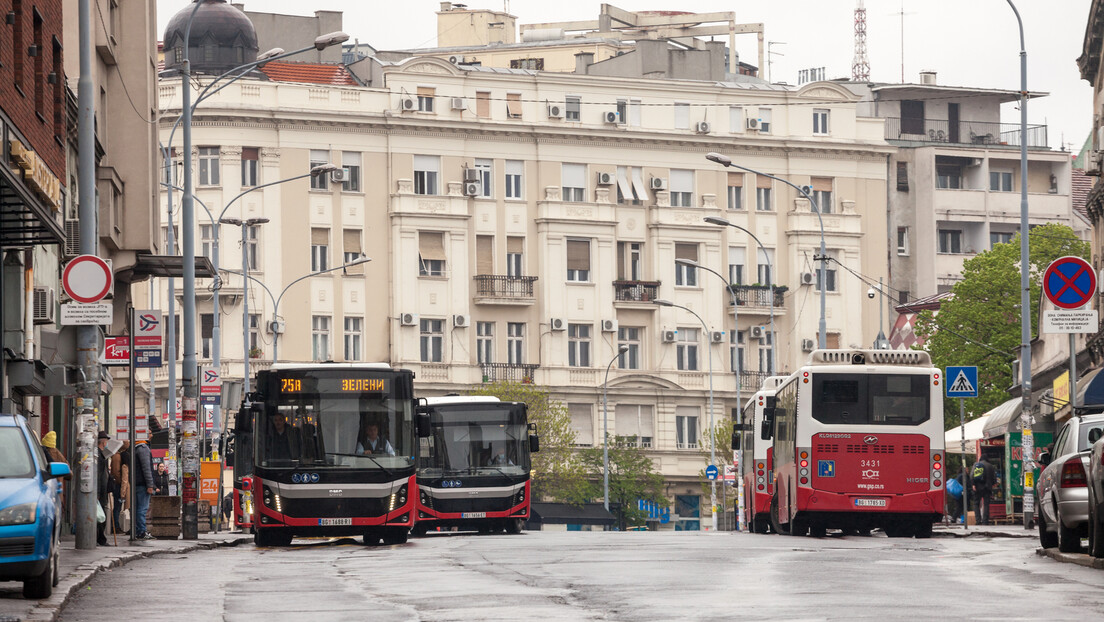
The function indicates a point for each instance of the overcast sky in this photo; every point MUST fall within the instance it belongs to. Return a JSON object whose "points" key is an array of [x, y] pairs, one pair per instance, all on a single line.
{"points": [[971, 43]]}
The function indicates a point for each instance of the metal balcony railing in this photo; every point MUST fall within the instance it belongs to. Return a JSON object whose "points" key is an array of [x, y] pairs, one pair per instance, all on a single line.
{"points": [[500, 286], [752, 380], [963, 132], [508, 372], [760, 295], [635, 291]]}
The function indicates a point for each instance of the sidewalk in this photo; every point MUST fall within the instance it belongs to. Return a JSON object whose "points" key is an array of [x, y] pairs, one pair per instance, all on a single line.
{"points": [[989, 531], [76, 568]]}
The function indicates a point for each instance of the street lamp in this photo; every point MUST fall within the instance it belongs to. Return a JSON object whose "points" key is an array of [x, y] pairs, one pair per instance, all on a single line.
{"points": [[712, 430], [880, 343], [738, 366], [245, 225], [605, 428], [724, 160], [715, 220]]}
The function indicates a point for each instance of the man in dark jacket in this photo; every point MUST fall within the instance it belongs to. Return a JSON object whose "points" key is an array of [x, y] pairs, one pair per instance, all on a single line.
{"points": [[144, 486], [984, 478], [103, 476]]}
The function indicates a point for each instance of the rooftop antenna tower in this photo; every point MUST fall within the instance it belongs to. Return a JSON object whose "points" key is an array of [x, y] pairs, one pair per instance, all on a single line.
{"points": [[860, 65]]}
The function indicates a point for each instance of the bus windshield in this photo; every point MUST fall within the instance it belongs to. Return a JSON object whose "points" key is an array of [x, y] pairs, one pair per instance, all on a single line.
{"points": [[477, 440], [336, 419], [871, 399]]}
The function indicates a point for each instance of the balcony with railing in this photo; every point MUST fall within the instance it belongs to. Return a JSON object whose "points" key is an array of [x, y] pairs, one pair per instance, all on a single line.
{"points": [[500, 289], [752, 380], [508, 372], [635, 291], [760, 298], [982, 133]]}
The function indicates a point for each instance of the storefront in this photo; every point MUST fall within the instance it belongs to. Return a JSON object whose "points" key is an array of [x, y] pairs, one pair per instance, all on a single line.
{"points": [[1002, 445]]}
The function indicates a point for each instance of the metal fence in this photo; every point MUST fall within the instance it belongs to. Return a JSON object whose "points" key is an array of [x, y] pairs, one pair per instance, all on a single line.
{"points": [[499, 286], [963, 132], [635, 291], [507, 372]]}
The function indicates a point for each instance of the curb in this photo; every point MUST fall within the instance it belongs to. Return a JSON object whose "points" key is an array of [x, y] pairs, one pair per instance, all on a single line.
{"points": [[1080, 559], [47, 610]]}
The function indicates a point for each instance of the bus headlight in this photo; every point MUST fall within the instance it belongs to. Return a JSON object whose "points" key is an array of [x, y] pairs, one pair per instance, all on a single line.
{"points": [[402, 496]]}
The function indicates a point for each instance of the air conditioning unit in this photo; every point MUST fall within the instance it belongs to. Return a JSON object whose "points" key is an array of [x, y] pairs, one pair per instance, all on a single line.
{"points": [[808, 278], [702, 127], [659, 183], [605, 179], [611, 117], [752, 124], [461, 321], [757, 332], [43, 305], [555, 111], [408, 319], [458, 103], [1097, 164], [471, 188], [277, 327], [557, 324], [808, 345], [669, 336], [609, 326], [72, 238], [716, 336], [456, 59], [408, 103], [471, 174], [340, 175]]}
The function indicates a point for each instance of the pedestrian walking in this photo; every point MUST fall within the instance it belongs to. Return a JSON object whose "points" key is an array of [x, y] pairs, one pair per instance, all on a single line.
{"points": [[144, 487], [983, 476], [120, 473]]}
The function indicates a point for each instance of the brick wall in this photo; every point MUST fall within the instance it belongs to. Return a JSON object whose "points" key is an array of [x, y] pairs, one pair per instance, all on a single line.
{"points": [[34, 106]]}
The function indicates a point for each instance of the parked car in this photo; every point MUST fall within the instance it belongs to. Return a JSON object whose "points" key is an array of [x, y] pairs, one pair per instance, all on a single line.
{"points": [[30, 499], [1062, 497], [1096, 496]]}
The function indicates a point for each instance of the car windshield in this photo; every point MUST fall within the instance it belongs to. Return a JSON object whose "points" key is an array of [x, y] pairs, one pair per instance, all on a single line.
{"points": [[479, 440], [15, 456]]}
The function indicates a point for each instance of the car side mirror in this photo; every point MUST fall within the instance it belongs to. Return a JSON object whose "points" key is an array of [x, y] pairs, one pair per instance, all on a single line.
{"points": [[243, 422], [735, 439], [59, 469], [422, 421], [1045, 458]]}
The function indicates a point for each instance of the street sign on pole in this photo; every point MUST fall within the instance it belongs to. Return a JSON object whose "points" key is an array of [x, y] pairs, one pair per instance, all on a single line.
{"points": [[711, 472], [1069, 282], [87, 279], [210, 388], [961, 381], [147, 338], [116, 351]]}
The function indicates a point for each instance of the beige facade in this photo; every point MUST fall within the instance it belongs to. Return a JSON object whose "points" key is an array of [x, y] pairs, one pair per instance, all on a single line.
{"points": [[510, 240]]}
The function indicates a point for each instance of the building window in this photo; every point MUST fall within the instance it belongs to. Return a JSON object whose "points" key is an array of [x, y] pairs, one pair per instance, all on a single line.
{"points": [[634, 112], [902, 241], [252, 243], [320, 337], [485, 168], [686, 351], [351, 250], [950, 241], [628, 336], [735, 119], [737, 262], [425, 99], [572, 106], [686, 276], [206, 240], [766, 352], [764, 263], [736, 361], [514, 256], [484, 341], [912, 117], [425, 174], [578, 261], [820, 121], [582, 423], [206, 330], [249, 166], [630, 259], [1000, 237], [254, 335], [829, 272], [535, 64], [763, 193], [682, 116], [320, 249], [682, 188], [574, 182], [432, 340], [902, 176], [208, 166], [319, 157], [822, 194], [431, 253], [764, 120], [513, 105], [17, 41], [622, 111], [352, 338], [1000, 181], [350, 161], [39, 73], [635, 421], [686, 427], [630, 185], [948, 177], [578, 345], [515, 169], [515, 343], [736, 191], [483, 104]]}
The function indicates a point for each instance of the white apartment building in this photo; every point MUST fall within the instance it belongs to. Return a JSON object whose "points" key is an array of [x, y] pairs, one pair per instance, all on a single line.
{"points": [[521, 223]]}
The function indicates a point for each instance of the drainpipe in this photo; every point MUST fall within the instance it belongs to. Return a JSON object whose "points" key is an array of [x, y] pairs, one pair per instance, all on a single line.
{"points": [[28, 328]]}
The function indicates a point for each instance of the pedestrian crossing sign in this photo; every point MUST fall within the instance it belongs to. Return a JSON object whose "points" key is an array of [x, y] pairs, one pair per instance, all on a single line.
{"points": [[962, 382]]}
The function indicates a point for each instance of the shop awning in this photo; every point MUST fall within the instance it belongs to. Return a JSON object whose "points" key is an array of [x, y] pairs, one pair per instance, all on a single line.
{"points": [[974, 429], [164, 266], [24, 220], [1003, 419], [1093, 395]]}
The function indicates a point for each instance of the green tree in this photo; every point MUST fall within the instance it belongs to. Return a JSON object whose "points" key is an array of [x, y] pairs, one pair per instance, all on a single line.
{"points": [[721, 435], [557, 472], [980, 324], [632, 477]]}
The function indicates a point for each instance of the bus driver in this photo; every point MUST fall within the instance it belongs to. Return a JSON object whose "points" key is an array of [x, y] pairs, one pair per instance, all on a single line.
{"points": [[285, 440], [372, 443]]}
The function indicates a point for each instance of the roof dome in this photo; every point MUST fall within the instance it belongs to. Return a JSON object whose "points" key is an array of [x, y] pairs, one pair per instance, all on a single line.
{"points": [[222, 38]]}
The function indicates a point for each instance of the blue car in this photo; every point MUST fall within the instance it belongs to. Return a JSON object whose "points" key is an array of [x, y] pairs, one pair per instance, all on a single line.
{"points": [[30, 504]]}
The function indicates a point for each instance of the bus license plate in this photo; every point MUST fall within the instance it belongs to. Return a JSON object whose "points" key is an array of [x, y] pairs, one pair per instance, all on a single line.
{"points": [[473, 515], [870, 503], [333, 522]]}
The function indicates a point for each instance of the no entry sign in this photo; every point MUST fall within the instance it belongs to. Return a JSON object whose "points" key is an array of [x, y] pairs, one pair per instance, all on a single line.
{"points": [[1069, 282], [87, 279]]}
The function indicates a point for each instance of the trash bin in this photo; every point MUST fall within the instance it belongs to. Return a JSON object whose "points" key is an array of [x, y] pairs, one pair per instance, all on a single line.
{"points": [[164, 518]]}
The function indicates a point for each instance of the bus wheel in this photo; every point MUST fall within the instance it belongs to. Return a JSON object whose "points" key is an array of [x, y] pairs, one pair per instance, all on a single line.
{"points": [[272, 537], [370, 539], [775, 523], [894, 530], [817, 530], [761, 524], [799, 527], [514, 525], [418, 531], [923, 530], [396, 535]]}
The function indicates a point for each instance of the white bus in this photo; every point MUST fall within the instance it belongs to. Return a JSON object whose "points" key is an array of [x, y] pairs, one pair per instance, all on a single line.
{"points": [[755, 457]]}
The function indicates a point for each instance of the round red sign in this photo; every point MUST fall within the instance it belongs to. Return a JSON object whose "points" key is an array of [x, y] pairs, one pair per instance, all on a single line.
{"points": [[87, 279], [1069, 282]]}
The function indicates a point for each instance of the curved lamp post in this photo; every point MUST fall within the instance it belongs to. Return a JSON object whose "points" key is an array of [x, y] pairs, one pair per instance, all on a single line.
{"points": [[712, 431], [724, 160], [605, 428]]}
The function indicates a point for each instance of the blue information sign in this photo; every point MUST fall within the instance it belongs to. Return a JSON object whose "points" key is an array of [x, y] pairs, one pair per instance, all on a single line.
{"points": [[961, 382], [711, 471]]}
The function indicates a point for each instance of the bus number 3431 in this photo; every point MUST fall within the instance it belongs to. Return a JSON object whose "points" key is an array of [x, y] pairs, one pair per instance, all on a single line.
{"points": [[871, 463]]}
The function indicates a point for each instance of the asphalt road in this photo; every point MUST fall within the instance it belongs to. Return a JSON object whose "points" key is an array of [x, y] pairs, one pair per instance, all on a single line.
{"points": [[603, 576]]}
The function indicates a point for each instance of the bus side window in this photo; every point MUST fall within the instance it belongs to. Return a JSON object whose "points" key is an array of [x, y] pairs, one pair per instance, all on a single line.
{"points": [[767, 431]]}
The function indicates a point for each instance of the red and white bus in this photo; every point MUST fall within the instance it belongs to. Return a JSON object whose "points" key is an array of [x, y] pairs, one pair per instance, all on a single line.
{"points": [[858, 444], [755, 458]]}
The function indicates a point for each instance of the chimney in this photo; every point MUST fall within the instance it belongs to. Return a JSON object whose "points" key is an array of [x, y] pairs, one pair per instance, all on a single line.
{"points": [[446, 7], [582, 61], [927, 77]]}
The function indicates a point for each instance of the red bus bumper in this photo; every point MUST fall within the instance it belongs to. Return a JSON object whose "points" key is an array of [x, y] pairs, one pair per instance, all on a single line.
{"points": [[810, 500]]}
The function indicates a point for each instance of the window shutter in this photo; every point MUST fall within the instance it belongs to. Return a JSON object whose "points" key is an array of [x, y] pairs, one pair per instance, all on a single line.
{"points": [[250, 153], [484, 254], [351, 241], [320, 237], [623, 183], [686, 251], [578, 255], [425, 91], [626, 420], [431, 246], [762, 181], [822, 184], [515, 245], [513, 105], [736, 179], [482, 104]]}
